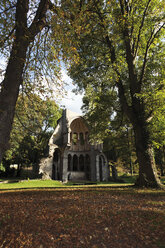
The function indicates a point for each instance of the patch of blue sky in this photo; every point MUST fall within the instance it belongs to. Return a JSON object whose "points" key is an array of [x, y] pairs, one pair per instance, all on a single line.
{"points": [[71, 100]]}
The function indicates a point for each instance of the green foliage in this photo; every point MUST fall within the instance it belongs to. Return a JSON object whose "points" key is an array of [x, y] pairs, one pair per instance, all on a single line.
{"points": [[2, 168], [34, 122], [121, 58], [119, 148], [121, 41], [41, 62]]}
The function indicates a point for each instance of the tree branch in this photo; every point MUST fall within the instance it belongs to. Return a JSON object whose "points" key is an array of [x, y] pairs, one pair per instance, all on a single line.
{"points": [[140, 28], [11, 7], [119, 83], [150, 41], [39, 21]]}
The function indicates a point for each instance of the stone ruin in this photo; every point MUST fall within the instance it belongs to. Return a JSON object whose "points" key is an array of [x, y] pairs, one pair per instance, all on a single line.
{"points": [[71, 156]]}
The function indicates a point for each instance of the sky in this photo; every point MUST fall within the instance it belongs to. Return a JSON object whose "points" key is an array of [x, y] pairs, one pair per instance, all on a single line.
{"points": [[71, 101]]}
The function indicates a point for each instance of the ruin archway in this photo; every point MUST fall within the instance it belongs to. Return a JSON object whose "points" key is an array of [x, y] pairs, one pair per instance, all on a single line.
{"points": [[75, 163], [101, 164], [100, 169], [56, 165], [81, 162], [69, 162], [88, 166]]}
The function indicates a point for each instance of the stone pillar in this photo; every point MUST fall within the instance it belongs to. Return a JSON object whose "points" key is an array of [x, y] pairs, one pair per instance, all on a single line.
{"points": [[69, 135], [65, 167], [97, 169], [105, 168]]}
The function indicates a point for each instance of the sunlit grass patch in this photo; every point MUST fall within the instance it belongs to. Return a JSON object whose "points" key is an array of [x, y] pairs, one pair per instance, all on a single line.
{"points": [[23, 184]]}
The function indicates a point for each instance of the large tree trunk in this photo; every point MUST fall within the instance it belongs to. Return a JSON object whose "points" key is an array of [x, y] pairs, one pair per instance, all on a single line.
{"points": [[136, 113], [14, 72], [9, 93], [13, 76], [147, 169]]}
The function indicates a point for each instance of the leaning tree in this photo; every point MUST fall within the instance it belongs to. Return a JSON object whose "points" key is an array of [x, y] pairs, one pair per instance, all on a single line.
{"points": [[31, 48]]}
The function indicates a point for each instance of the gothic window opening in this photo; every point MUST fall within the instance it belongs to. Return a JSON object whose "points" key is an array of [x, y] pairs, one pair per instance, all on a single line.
{"points": [[75, 138], [88, 169], [69, 162], [86, 137], [56, 165], [81, 139], [75, 163], [81, 162]]}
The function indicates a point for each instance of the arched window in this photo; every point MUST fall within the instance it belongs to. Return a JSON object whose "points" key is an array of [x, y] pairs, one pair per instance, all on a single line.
{"points": [[56, 165], [75, 163], [81, 139], [86, 137], [88, 169], [81, 163], [75, 138], [87, 161], [56, 155], [69, 162]]}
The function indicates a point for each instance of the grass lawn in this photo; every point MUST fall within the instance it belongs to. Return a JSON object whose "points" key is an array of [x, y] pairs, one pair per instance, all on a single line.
{"points": [[24, 184], [82, 217]]}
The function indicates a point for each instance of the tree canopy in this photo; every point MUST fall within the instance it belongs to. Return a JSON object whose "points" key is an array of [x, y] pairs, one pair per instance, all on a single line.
{"points": [[31, 46], [34, 122], [121, 51]]}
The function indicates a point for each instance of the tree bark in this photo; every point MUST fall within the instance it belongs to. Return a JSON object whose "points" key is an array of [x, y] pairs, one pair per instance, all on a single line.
{"points": [[13, 76], [148, 176], [9, 93], [136, 113]]}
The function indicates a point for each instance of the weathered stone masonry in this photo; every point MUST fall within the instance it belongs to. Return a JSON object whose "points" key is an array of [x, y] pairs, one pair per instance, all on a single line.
{"points": [[71, 156]]}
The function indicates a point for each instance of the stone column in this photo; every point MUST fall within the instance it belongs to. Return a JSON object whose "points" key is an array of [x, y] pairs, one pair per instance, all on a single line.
{"points": [[107, 172], [97, 169], [65, 167]]}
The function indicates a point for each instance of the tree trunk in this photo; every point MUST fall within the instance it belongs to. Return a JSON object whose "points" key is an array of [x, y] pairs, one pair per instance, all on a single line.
{"points": [[9, 92], [147, 169], [14, 72], [13, 76]]}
